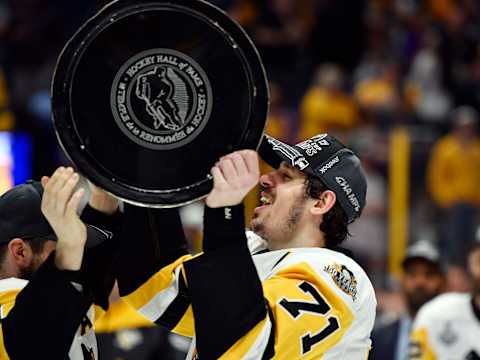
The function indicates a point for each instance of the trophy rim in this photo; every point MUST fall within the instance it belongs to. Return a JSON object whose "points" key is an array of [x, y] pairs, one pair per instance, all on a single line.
{"points": [[63, 117]]}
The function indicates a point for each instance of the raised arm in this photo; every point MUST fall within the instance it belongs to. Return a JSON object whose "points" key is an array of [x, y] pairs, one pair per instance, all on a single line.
{"points": [[224, 287]]}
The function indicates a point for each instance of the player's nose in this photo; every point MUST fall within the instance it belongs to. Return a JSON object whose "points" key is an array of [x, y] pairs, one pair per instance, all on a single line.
{"points": [[267, 180]]}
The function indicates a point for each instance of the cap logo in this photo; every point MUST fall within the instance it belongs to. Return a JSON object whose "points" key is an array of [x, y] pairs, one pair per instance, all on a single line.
{"points": [[314, 145], [347, 189], [329, 165], [296, 158]]}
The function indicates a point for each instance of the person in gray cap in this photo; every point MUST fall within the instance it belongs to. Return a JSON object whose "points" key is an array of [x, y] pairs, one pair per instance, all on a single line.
{"points": [[423, 279], [448, 327], [281, 291], [46, 298]]}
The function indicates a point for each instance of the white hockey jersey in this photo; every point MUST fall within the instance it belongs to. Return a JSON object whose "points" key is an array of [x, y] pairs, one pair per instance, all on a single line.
{"points": [[321, 305], [446, 328]]}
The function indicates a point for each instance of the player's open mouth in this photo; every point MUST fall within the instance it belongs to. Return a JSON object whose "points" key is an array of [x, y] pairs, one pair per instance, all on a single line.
{"points": [[265, 201]]}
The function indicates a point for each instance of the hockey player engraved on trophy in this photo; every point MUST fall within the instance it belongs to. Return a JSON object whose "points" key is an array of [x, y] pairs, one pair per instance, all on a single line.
{"points": [[161, 99]]}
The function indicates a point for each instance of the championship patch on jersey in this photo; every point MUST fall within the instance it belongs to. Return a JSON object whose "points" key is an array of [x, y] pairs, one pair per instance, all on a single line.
{"points": [[448, 336], [343, 278]]}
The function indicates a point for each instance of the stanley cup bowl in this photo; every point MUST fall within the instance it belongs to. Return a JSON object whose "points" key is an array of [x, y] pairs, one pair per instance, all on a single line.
{"points": [[148, 95]]}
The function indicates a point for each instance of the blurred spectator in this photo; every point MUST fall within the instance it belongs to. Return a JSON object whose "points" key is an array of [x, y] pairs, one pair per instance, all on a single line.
{"points": [[448, 327], [327, 107], [376, 88], [425, 92], [453, 178], [423, 279]]}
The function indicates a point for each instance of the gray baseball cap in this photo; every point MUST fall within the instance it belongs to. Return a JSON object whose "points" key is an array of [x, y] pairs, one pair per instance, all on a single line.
{"points": [[422, 250]]}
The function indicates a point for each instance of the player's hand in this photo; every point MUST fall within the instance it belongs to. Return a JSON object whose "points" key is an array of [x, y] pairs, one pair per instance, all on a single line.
{"points": [[102, 201], [59, 206], [234, 175]]}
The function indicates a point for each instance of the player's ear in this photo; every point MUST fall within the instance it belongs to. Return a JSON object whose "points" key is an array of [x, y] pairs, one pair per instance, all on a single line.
{"points": [[20, 252], [324, 203]]}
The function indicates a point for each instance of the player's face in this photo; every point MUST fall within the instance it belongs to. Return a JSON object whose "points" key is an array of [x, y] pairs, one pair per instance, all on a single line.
{"points": [[421, 282], [283, 206], [474, 268]]}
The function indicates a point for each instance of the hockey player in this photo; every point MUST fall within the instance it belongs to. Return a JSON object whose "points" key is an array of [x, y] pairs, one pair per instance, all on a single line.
{"points": [[448, 327], [297, 297], [46, 298]]}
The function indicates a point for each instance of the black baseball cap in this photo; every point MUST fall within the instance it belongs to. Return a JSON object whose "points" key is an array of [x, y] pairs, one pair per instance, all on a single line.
{"points": [[21, 216], [326, 158]]}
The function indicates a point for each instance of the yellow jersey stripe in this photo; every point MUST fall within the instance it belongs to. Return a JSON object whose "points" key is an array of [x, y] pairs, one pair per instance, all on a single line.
{"points": [[156, 284], [120, 316], [420, 348], [186, 325]]}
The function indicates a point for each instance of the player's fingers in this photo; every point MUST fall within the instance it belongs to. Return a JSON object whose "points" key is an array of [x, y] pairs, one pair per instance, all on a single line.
{"points": [[74, 202], [239, 163], [228, 170], [62, 178], [65, 193], [251, 160], [53, 179], [218, 179], [44, 180], [48, 198]]}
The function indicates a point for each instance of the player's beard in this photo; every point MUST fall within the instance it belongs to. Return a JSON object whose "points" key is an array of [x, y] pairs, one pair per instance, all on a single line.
{"points": [[286, 229], [294, 215], [27, 272], [417, 298]]}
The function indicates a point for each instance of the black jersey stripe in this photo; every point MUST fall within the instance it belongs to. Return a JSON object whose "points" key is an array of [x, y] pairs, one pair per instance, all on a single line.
{"points": [[175, 311], [270, 349]]}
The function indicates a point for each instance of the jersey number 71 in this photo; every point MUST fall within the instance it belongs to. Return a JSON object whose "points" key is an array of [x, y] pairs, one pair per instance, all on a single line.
{"points": [[320, 307]]}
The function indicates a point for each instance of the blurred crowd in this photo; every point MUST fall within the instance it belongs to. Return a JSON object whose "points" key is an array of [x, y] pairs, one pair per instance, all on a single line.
{"points": [[357, 68]]}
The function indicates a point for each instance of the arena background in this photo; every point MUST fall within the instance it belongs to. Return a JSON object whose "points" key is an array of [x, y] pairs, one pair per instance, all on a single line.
{"points": [[397, 80]]}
